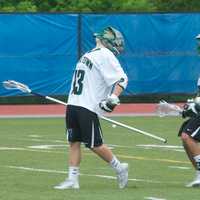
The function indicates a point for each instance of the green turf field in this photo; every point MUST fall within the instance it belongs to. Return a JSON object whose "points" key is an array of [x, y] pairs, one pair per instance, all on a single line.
{"points": [[33, 158]]}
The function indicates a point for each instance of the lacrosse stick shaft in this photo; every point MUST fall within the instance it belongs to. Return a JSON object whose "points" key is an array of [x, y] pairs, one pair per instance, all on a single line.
{"points": [[56, 100], [134, 129], [50, 98]]}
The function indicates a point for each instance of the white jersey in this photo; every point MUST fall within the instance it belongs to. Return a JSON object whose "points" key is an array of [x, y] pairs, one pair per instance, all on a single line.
{"points": [[95, 75]]}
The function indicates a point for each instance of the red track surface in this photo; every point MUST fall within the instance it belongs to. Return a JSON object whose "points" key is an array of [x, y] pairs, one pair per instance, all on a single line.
{"points": [[55, 109]]}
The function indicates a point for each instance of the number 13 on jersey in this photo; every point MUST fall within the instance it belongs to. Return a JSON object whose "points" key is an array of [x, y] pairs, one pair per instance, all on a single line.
{"points": [[78, 82]]}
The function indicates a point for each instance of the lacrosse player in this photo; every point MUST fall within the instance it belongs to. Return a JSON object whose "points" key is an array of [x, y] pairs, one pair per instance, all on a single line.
{"points": [[190, 132], [97, 82], [190, 136]]}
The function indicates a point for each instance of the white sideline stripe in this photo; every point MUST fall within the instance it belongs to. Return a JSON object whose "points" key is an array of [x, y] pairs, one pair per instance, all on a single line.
{"points": [[179, 167], [178, 150], [153, 198], [51, 147], [160, 146], [43, 140], [11, 148], [146, 146], [65, 172], [165, 147], [35, 136], [46, 146], [90, 153], [150, 146], [26, 149]]}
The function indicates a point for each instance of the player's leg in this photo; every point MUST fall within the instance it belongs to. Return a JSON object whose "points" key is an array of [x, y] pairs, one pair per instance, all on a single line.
{"points": [[72, 181], [93, 139], [106, 154], [193, 151], [189, 154], [103, 152], [190, 138], [191, 147], [180, 134], [121, 169], [74, 138], [74, 154]]}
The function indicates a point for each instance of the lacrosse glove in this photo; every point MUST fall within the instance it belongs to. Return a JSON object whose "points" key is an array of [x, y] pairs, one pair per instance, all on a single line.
{"points": [[109, 104], [190, 110]]}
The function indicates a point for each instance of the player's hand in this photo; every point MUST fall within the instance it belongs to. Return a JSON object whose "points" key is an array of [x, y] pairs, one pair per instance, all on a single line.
{"points": [[110, 103]]}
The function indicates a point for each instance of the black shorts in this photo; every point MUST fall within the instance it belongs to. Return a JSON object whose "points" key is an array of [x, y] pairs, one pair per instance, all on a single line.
{"points": [[83, 126], [192, 128]]}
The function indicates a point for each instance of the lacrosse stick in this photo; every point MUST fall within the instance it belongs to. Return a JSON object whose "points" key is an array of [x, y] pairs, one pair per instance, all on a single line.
{"points": [[14, 85], [11, 84], [167, 109]]}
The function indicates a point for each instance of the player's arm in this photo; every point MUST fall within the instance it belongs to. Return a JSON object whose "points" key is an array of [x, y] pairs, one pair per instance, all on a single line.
{"points": [[114, 76], [117, 90], [112, 101]]}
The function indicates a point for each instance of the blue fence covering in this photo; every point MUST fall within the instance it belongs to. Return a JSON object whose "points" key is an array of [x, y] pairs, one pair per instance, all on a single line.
{"points": [[41, 50], [160, 54]]}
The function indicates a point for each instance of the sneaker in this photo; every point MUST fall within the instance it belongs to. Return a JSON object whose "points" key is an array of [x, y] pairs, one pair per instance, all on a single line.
{"points": [[195, 183], [122, 176], [67, 184]]}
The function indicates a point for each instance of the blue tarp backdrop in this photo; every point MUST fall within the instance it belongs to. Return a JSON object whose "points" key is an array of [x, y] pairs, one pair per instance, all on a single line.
{"points": [[41, 50]]}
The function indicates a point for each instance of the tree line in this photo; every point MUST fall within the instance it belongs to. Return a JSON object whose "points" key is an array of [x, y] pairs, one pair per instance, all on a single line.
{"points": [[99, 6]]}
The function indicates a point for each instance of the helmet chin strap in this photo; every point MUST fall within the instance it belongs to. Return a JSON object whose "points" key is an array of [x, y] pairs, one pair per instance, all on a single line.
{"points": [[116, 51]]}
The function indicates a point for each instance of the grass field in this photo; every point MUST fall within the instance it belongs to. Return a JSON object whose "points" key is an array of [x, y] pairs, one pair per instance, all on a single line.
{"points": [[33, 158]]}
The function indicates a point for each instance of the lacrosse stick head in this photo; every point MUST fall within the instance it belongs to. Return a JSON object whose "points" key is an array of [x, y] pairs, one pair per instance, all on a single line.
{"points": [[167, 109], [14, 85]]}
